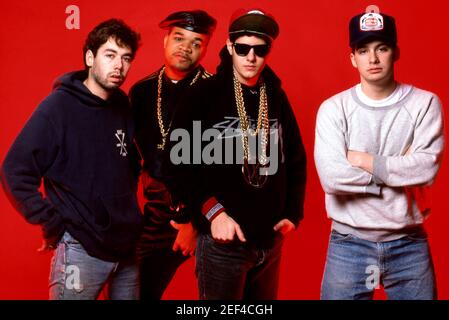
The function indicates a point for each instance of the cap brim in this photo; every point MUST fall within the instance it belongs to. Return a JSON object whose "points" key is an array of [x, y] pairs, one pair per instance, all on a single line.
{"points": [[255, 24], [368, 37]]}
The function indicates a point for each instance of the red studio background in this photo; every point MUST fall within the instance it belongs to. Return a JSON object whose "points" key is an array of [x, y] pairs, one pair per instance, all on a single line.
{"points": [[311, 56]]}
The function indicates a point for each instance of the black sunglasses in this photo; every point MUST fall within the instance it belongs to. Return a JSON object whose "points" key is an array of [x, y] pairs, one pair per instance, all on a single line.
{"points": [[242, 49]]}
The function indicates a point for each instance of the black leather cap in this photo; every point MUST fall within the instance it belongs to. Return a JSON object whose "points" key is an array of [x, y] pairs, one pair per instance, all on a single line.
{"points": [[198, 21]]}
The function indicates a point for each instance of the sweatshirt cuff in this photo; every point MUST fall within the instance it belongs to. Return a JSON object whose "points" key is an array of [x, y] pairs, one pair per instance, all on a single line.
{"points": [[380, 173], [294, 218], [373, 188], [211, 209]]}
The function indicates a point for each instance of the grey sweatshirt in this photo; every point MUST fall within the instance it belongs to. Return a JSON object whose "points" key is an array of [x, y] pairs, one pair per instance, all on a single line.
{"points": [[406, 139]]}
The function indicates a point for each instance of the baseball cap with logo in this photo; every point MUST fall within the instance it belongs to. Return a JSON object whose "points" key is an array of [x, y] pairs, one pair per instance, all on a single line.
{"points": [[372, 25]]}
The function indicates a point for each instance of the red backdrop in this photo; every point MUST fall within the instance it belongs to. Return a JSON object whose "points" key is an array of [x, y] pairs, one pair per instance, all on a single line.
{"points": [[311, 56]]}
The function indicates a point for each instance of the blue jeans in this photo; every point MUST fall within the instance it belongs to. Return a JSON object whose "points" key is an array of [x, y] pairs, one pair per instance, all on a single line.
{"points": [[75, 275], [355, 267], [236, 271]]}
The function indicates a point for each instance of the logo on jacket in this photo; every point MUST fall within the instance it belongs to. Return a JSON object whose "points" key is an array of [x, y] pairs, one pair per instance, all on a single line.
{"points": [[122, 144], [221, 145]]}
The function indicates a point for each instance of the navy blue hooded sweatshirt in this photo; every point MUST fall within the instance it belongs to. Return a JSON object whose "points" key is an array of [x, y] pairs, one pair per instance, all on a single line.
{"points": [[81, 147]]}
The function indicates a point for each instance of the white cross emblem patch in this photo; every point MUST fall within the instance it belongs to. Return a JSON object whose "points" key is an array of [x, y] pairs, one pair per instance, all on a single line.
{"points": [[122, 144]]}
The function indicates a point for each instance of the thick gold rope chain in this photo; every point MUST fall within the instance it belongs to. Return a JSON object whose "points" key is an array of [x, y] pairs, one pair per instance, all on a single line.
{"points": [[262, 121]]}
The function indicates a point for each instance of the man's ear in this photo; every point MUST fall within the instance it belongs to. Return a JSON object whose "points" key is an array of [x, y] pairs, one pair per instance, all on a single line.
{"points": [[89, 58], [229, 46], [165, 40], [352, 57]]}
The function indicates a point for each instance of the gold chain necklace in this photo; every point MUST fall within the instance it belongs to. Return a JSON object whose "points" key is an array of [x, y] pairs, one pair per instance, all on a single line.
{"points": [[164, 133], [262, 122]]}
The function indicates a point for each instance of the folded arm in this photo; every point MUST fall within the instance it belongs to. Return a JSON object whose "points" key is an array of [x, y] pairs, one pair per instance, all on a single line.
{"points": [[337, 174]]}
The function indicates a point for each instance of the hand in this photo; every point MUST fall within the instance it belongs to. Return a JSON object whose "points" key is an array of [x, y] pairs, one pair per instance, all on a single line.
{"points": [[46, 246], [224, 228], [362, 160], [284, 226], [186, 238]]}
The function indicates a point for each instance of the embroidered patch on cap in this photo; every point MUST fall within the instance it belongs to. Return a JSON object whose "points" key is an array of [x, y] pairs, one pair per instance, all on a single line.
{"points": [[371, 22]]}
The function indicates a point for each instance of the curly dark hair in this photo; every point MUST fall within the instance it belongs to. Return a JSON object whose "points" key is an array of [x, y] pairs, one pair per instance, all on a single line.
{"points": [[112, 28]]}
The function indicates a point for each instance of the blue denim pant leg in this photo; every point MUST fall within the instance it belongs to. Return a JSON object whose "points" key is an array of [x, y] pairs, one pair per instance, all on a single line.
{"points": [[75, 275], [124, 284], [345, 273], [235, 271], [409, 272], [355, 267]]}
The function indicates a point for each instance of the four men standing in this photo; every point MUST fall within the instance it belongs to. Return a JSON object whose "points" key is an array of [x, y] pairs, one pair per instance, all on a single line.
{"points": [[377, 146]]}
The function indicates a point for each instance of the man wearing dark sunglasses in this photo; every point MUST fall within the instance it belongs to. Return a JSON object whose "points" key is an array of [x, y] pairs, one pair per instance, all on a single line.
{"points": [[246, 207], [168, 238]]}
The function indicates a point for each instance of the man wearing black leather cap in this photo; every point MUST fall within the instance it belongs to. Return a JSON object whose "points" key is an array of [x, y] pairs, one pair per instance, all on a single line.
{"points": [[168, 238], [248, 199]]}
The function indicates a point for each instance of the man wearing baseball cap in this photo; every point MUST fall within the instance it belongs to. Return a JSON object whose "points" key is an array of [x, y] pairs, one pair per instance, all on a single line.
{"points": [[249, 199], [378, 146], [168, 238]]}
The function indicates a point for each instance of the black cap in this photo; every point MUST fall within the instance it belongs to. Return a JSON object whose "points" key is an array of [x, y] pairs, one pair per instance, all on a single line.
{"points": [[198, 21], [254, 21], [372, 25]]}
